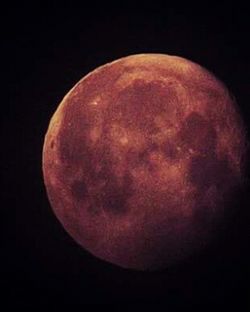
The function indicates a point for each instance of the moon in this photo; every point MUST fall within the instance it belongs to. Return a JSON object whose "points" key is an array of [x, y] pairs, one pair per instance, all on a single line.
{"points": [[141, 159]]}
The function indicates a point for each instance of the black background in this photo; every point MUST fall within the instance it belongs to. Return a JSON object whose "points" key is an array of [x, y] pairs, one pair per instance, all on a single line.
{"points": [[48, 49]]}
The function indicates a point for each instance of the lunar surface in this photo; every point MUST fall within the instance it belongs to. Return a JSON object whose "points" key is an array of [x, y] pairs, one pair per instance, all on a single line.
{"points": [[142, 158]]}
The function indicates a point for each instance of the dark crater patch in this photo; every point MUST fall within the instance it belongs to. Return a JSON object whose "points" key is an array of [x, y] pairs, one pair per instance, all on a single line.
{"points": [[52, 144], [141, 100], [72, 135], [132, 158], [113, 197], [116, 196], [135, 158], [79, 190], [143, 156], [107, 192], [198, 133], [209, 173], [170, 151], [205, 171]]}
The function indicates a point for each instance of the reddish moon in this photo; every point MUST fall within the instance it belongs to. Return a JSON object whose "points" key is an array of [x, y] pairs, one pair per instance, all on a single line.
{"points": [[140, 160]]}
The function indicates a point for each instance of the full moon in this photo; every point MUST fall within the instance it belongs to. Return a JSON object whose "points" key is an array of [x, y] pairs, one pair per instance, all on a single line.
{"points": [[141, 159]]}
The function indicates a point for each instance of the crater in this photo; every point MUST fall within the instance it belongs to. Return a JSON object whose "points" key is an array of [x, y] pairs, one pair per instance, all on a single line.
{"points": [[198, 134], [107, 192], [79, 190], [72, 135], [205, 171], [114, 196], [52, 144], [170, 151]]}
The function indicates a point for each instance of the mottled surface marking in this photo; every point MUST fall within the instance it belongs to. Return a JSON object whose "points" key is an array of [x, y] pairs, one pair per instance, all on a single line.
{"points": [[198, 134]]}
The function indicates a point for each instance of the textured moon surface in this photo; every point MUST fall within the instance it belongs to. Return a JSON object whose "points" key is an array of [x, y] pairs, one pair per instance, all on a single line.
{"points": [[142, 158]]}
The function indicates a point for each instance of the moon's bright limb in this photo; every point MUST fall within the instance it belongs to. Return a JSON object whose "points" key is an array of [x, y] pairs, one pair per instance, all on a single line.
{"points": [[141, 157]]}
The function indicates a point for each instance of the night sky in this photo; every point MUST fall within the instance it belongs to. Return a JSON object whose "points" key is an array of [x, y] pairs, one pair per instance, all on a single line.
{"points": [[49, 49]]}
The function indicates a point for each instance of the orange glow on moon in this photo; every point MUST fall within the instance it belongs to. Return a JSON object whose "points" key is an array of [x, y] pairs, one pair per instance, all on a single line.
{"points": [[141, 158]]}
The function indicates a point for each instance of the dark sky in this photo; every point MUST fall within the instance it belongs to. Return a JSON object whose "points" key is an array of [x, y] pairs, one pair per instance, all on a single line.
{"points": [[46, 51]]}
